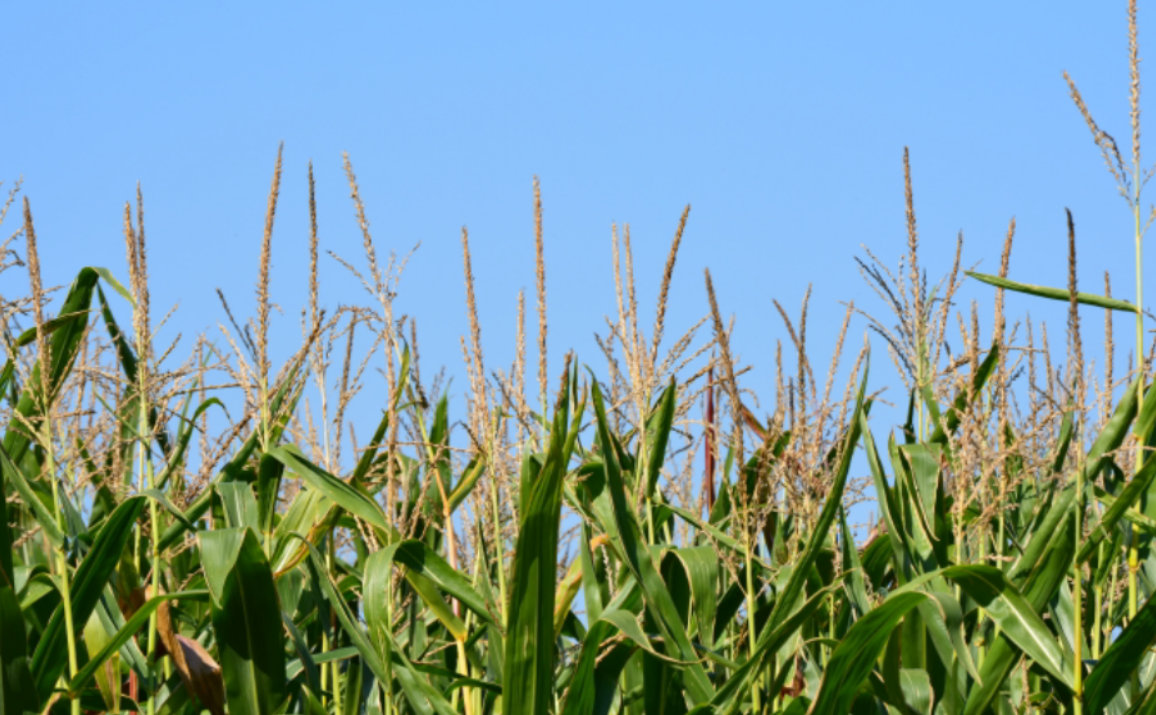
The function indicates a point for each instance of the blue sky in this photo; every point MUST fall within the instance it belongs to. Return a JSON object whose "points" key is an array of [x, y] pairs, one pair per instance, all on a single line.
{"points": [[782, 124]]}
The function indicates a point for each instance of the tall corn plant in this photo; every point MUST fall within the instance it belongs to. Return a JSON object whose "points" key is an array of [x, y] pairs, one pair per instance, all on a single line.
{"points": [[566, 569]]}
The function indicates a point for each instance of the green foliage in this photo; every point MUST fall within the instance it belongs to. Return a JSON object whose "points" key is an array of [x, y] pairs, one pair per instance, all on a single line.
{"points": [[647, 558], [349, 598]]}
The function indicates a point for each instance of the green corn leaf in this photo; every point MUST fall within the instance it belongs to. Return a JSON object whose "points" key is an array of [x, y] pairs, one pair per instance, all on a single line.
{"points": [[365, 462], [1121, 659], [422, 697], [357, 502], [63, 347], [701, 564], [592, 583], [440, 578], [854, 657], [887, 504], [15, 677], [65, 333], [715, 533], [857, 587], [107, 276], [770, 640], [344, 494], [626, 536], [238, 504], [1146, 420], [28, 337], [163, 499], [246, 619], [269, 471], [1017, 619], [959, 405], [466, 484], [7, 575], [802, 566], [128, 361], [595, 678], [1044, 573], [918, 694], [1064, 442], [130, 628], [283, 400], [1118, 507], [626, 623], [528, 672], [564, 596], [45, 519], [1138, 520], [90, 579], [963, 399], [658, 435], [310, 511], [1112, 435], [1108, 440], [917, 469], [176, 459], [1063, 294]]}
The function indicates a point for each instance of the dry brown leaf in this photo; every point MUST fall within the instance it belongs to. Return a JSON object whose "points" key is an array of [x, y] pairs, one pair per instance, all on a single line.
{"points": [[199, 672]]}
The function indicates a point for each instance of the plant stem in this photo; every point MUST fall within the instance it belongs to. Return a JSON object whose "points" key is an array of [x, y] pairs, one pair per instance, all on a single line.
{"points": [[61, 560], [751, 632], [499, 554], [1098, 616], [1133, 551], [148, 477], [1078, 601], [324, 675], [335, 666], [500, 551]]}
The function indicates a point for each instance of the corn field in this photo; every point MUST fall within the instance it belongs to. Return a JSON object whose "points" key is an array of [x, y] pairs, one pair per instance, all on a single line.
{"points": [[189, 529]]}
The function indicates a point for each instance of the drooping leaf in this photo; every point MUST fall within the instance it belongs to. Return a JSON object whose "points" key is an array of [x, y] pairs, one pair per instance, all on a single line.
{"points": [[1017, 619], [1063, 294], [440, 579], [854, 657], [345, 495], [63, 347]]}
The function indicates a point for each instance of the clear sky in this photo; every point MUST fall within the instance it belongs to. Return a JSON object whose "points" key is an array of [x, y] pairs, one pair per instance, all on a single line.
{"points": [[782, 123]]}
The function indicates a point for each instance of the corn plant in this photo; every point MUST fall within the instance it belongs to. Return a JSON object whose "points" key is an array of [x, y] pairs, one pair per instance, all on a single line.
{"points": [[210, 536]]}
